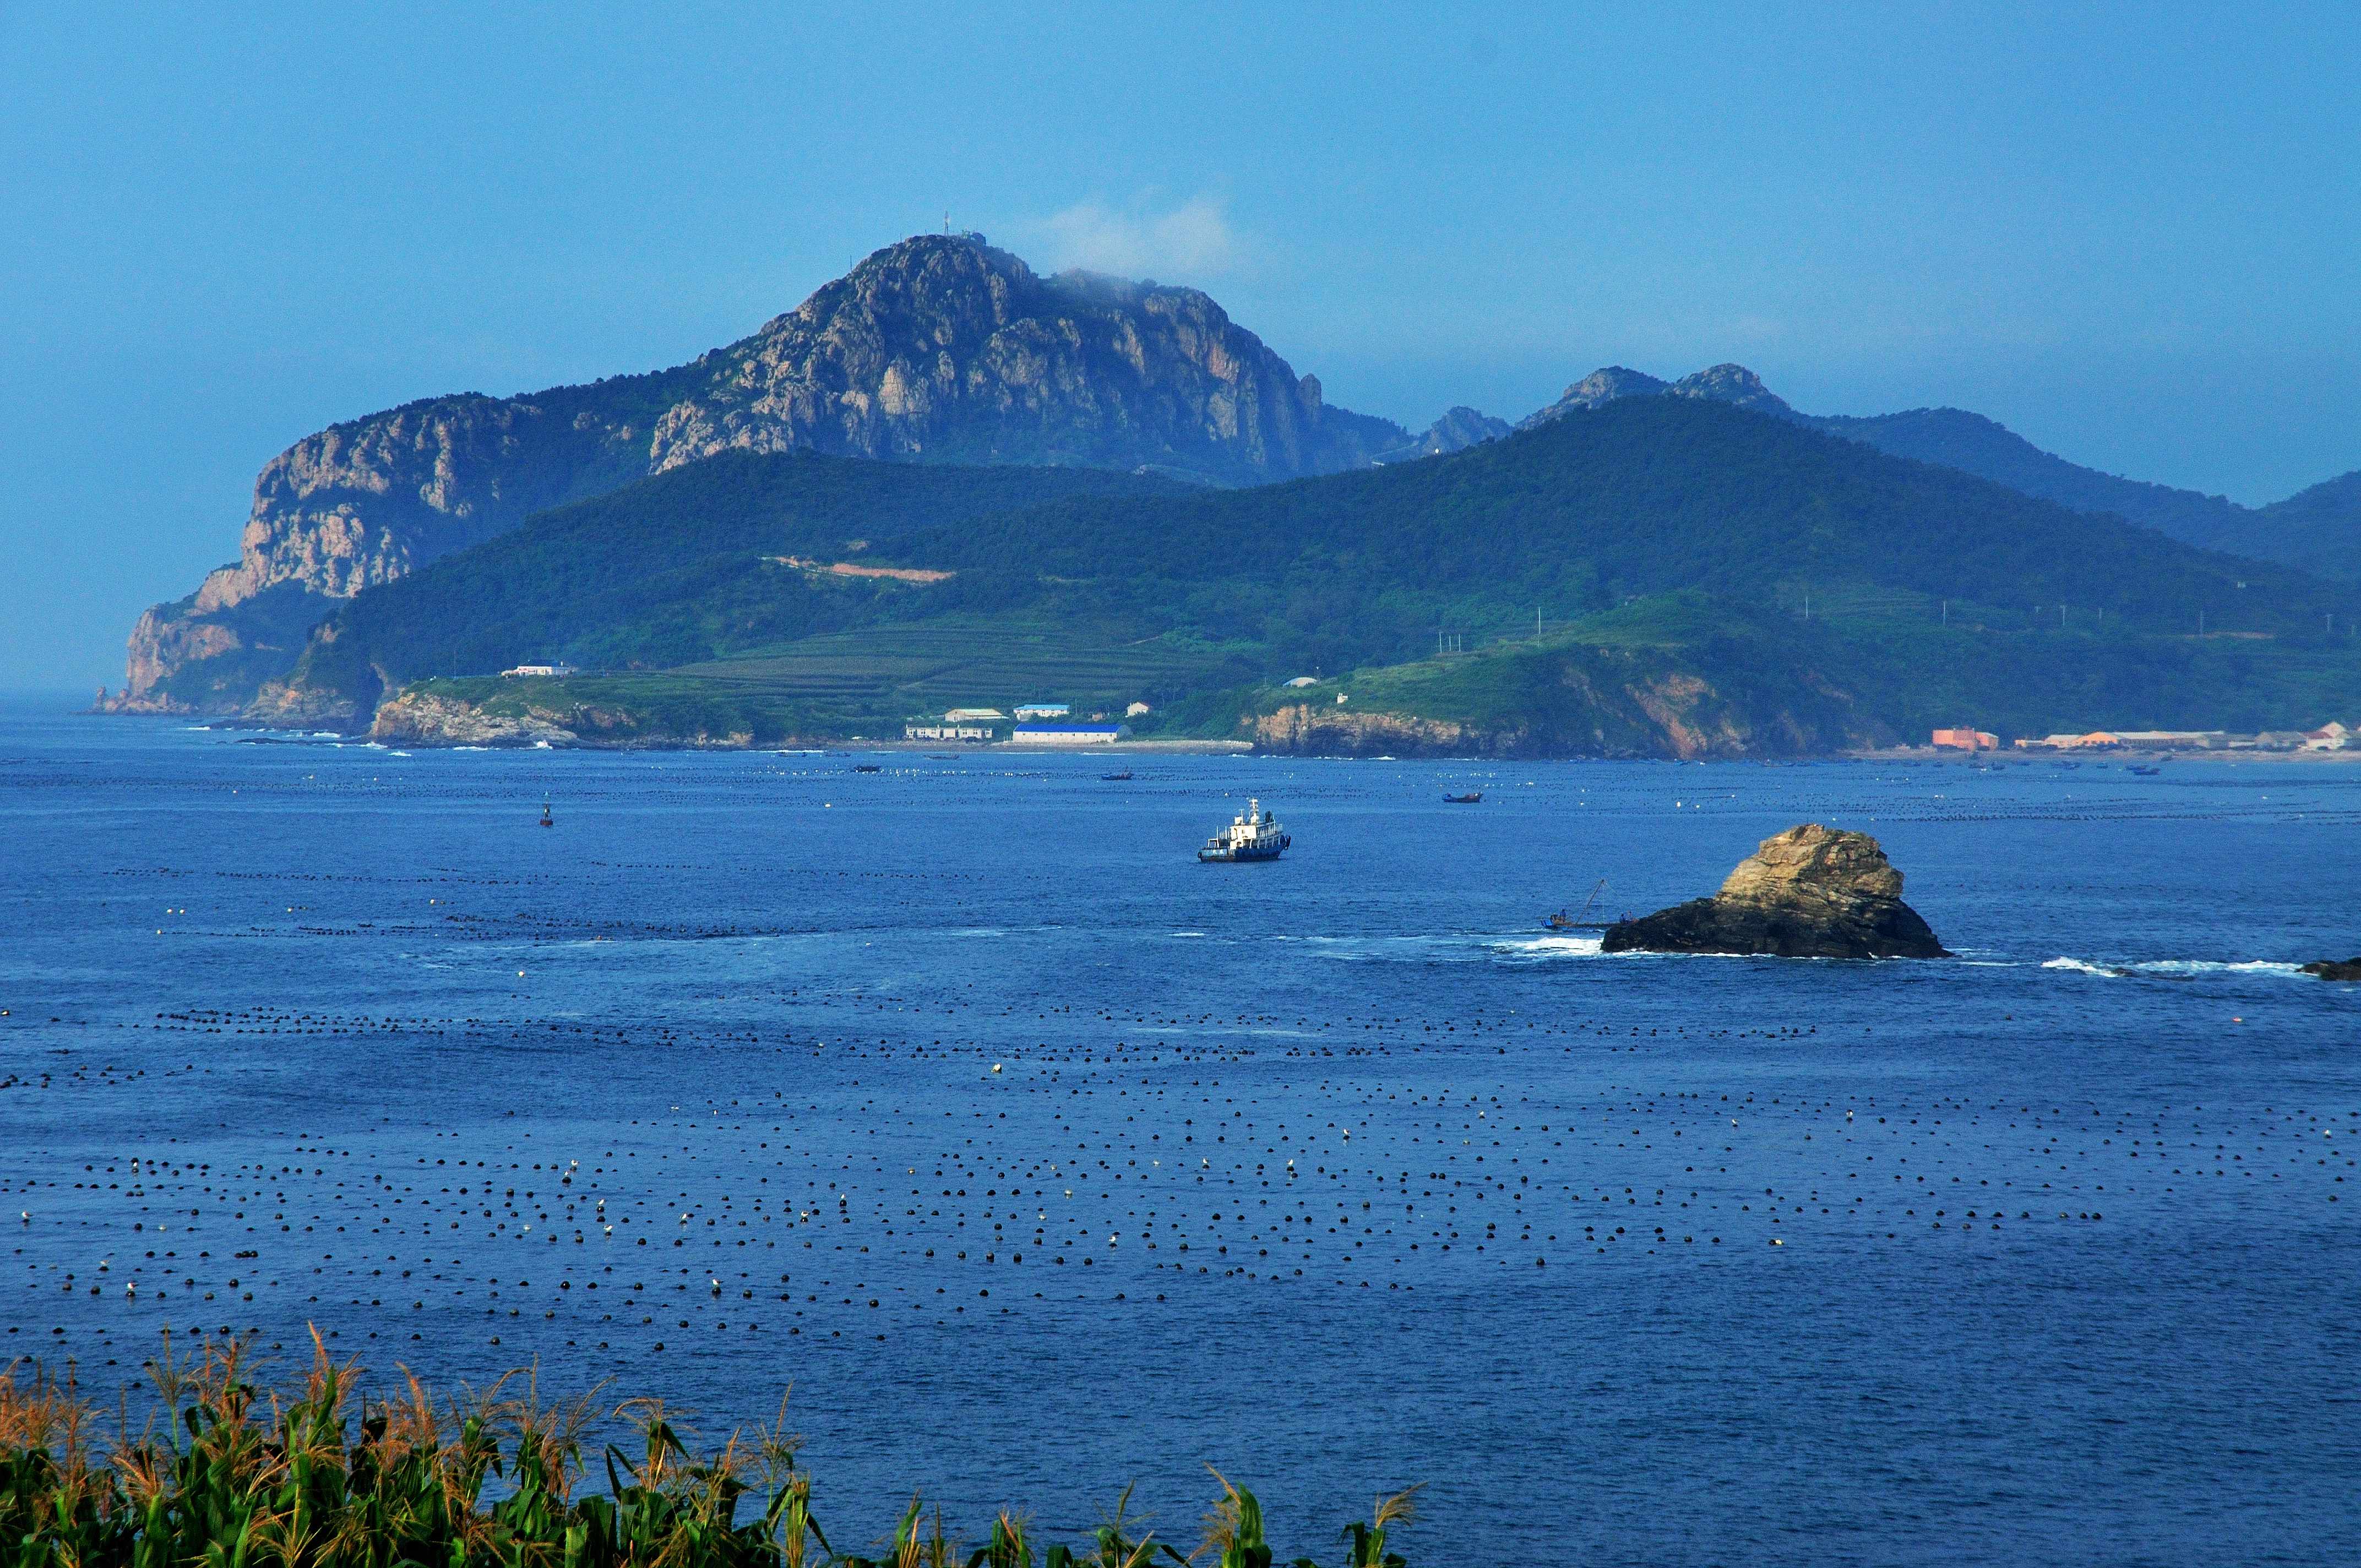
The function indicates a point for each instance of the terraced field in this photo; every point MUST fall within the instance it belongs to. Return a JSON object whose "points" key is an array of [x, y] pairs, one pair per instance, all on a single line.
{"points": [[924, 667]]}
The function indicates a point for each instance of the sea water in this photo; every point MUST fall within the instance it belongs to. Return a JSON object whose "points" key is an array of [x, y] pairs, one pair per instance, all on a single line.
{"points": [[1041, 1159]]}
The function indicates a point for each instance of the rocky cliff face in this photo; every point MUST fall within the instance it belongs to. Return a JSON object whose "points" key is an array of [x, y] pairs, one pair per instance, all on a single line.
{"points": [[1332, 731], [946, 349], [939, 349]]}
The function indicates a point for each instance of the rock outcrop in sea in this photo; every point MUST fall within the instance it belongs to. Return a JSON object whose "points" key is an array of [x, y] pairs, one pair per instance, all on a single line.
{"points": [[1809, 893], [2335, 969], [941, 349]]}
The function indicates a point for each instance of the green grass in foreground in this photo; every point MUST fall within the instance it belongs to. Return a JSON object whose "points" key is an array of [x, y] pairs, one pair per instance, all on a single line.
{"points": [[317, 1473]]}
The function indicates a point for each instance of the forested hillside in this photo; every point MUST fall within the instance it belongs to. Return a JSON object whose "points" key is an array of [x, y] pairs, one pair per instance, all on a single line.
{"points": [[733, 571]]}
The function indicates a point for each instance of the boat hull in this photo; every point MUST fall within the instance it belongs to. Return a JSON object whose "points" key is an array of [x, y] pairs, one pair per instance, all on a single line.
{"points": [[1223, 857]]}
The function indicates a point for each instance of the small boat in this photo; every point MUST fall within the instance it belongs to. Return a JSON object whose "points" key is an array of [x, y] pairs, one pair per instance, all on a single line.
{"points": [[864, 767], [1123, 777], [1561, 921], [2145, 773], [547, 820], [1473, 797], [1253, 835]]}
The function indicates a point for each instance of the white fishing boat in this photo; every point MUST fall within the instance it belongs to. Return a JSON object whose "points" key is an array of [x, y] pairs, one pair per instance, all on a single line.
{"points": [[1254, 835]]}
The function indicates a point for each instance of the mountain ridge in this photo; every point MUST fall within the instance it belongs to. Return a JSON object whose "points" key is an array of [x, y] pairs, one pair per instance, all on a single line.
{"points": [[938, 348], [715, 600], [2318, 529], [945, 349]]}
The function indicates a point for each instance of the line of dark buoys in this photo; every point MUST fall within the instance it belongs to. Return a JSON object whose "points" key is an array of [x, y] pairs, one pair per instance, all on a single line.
{"points": [[1158, 1139]]}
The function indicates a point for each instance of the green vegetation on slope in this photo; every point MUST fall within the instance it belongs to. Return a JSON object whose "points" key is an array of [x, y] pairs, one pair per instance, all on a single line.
{"points": [[320, 1476], [1692, 675], [865, 681], [1754, 580], [676, 570]]}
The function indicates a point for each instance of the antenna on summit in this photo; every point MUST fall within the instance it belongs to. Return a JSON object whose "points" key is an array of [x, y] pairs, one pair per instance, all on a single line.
{"points": [[947, 219]]}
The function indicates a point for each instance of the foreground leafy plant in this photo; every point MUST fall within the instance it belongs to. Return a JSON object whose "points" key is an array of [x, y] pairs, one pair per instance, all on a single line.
{"points": [[226, 1475]]}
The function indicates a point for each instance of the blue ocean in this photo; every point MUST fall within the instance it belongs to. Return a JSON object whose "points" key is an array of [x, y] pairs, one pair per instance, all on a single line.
{"points": [[1039, 1159]]}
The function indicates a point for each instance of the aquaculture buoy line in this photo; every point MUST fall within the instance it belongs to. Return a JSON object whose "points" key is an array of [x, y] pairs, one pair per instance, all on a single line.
{"points": [[1131, 1161], [754, 1070]]}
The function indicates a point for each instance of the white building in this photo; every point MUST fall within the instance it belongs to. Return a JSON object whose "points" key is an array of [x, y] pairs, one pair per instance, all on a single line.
{"points": [[971, 733], [974, 716], [1044, 709], [1068, 734], [2175, 740], [557, 670]]}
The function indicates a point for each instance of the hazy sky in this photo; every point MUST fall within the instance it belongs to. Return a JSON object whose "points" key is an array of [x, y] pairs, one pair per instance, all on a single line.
{"points": [[2131, 233]]}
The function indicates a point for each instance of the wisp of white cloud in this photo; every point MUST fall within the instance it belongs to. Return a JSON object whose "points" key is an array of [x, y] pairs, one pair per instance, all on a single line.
{"points": [[1192, 241]]}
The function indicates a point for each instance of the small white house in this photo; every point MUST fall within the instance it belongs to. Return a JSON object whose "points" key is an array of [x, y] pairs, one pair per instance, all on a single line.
{"points": [[544, 671]]}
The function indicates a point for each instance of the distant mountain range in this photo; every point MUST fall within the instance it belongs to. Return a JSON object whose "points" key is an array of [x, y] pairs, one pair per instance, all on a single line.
{"points": [[1656, 575], [945, 350], [2319, 530]]}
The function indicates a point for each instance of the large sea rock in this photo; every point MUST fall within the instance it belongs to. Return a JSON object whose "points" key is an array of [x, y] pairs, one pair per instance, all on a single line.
{"points": [[1809, 893]]}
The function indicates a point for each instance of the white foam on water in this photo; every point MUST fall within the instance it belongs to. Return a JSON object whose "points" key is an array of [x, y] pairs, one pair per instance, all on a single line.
{"points": [[2175, 969], [1460, 948], [1542, 949]]}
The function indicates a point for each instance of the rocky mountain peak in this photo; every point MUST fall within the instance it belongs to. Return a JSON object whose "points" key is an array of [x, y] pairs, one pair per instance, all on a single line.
{"points": [[1731, 384], [1721, 383], [945, 349], [1459, 428], [1601, 386], [938, 348]]}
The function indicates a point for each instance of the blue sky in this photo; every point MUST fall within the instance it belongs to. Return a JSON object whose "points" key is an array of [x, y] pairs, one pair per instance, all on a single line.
{"points": [[2131, 233]]}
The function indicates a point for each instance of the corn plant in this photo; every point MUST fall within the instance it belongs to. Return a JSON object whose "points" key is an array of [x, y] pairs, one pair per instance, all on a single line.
{"points": [[226, 1473]]}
